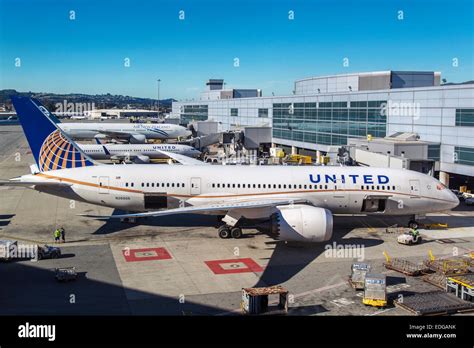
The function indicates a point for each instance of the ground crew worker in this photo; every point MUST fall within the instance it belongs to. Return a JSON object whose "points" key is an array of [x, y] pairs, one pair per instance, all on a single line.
{"points": [[414, 232], [57, 234], [63, 234]]}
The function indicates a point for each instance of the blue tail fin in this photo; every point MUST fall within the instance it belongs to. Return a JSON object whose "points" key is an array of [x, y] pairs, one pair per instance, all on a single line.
{"points": [[51, 148]]}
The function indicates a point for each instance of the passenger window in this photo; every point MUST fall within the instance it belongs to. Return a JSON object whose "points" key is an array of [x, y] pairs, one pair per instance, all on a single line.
{"points": [[233, 185], [305, 186], [172, 185], [132, 184], [213, 185], [126, 184], [279, 186], [300, 186], [325, 187], [258, 185], [167, 184], [393, 188], [373, 187]]}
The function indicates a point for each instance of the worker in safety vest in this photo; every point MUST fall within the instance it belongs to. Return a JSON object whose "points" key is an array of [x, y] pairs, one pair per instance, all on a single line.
{"points": [[414, 232], [63, 234], [57, 235]]}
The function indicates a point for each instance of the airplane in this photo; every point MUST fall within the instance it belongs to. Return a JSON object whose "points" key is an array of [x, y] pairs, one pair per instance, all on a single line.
{"points": [[135, 133], [138, 153], [299, 201]]}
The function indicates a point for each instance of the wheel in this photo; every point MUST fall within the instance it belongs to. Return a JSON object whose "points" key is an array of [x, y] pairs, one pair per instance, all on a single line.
{"points": [[236, 232], [54, 255], [413, 224], [224, 232]]}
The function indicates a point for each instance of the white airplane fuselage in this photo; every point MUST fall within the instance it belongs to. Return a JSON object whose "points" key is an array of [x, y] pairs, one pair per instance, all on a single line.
{"points": [[343, 190], [153, 151], [149, 130]]}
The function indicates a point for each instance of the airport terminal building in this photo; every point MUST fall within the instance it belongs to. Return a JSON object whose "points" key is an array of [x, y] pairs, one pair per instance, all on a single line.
{"points": [[324, 112]]}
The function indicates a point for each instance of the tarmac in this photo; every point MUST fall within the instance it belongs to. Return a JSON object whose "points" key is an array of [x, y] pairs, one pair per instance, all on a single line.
{"points": [[177, 265]]}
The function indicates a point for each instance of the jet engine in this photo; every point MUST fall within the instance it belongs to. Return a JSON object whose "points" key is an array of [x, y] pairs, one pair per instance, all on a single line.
{"points": [[137, 139], [302, 223], [141, 159]]}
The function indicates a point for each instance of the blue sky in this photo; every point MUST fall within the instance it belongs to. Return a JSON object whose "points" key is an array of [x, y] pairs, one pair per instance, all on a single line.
{"points": [[86, 55]]}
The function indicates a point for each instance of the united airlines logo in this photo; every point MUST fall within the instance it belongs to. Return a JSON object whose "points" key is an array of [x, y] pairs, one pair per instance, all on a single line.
{"points": [[352, 178], [58, 153]]}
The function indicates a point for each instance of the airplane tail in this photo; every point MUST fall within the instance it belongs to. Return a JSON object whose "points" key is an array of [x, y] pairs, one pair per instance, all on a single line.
{"points": [[51, 147]]}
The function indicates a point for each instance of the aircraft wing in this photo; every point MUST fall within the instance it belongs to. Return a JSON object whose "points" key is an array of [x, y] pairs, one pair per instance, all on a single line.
{"points": [[185, 160], [116, 134], [233, 205]]}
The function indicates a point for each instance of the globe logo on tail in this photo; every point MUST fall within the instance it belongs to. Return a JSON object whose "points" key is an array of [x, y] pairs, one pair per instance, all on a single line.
{"points": [[57, 152]]}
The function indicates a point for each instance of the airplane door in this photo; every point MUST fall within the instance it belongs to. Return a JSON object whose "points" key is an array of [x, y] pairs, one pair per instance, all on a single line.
{"points": [[103, 184], [195, 186], [415, 188], [341, 198]]}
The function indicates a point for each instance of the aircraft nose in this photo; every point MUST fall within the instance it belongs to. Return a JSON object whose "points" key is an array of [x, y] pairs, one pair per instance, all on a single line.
{"points": [[454, 200]]}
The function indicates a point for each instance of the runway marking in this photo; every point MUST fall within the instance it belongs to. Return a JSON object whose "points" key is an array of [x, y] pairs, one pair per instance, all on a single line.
{"points": [[146, 254], [231, 266]]}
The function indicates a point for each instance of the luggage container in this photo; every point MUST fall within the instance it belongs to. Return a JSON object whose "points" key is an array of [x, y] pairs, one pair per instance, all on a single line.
{"points": [[375, 290], [65, 274], [462, 286], [256, 301], [358, 272]]}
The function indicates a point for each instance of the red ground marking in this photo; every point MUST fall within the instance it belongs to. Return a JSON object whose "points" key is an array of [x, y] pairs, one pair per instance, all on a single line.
{"points": [[148, 254], [233, 266]]}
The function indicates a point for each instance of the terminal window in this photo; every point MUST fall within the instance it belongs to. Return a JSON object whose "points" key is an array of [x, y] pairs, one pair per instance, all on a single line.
{"points": [[465, 117], [262, 112], [464, 155], [329, 123]]}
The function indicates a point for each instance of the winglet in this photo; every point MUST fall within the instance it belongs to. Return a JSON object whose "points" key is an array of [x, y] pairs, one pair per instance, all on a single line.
{"points": [[107, 152]]}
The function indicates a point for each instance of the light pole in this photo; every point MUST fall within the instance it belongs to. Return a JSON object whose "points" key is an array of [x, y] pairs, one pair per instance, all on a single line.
{"points": [[158, 96]]}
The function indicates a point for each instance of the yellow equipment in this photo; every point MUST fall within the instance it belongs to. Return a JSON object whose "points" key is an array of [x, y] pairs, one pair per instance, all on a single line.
{"points": [[374, 302], [298, 159], [375, 290], [324, 159], [435, 225]]}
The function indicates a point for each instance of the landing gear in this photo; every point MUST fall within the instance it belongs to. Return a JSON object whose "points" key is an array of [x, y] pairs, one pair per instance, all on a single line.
{"points": [[236, 232], [226, 232]]}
